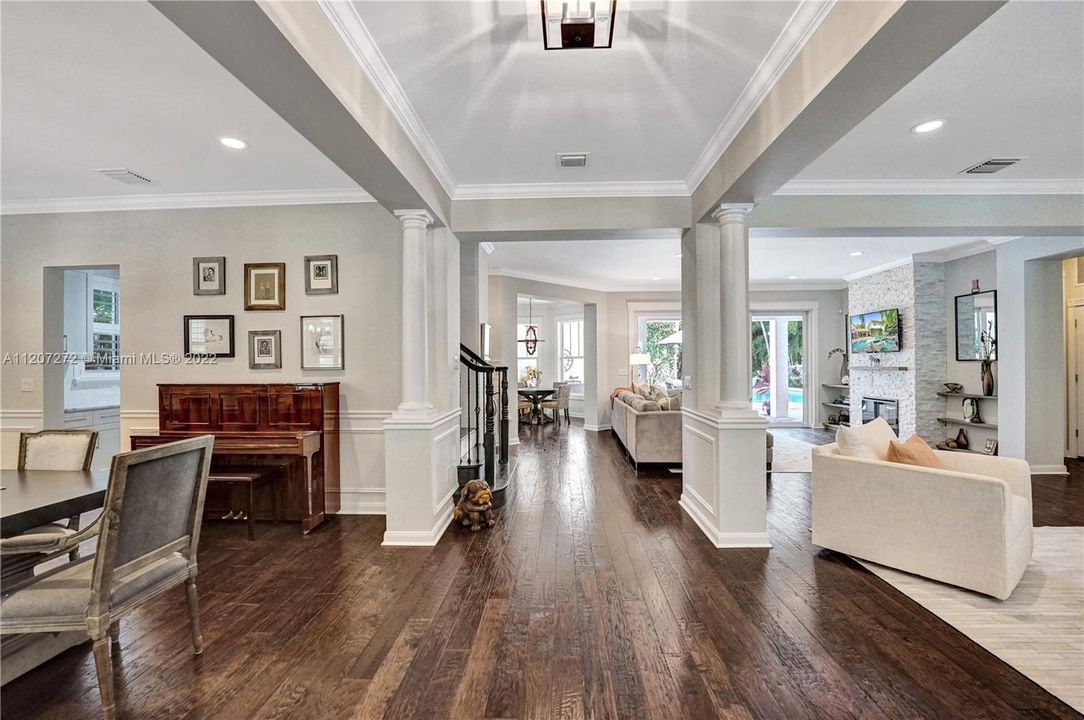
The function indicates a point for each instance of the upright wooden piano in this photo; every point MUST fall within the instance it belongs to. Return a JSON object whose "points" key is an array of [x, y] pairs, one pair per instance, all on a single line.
{"points": [[290, 429]]}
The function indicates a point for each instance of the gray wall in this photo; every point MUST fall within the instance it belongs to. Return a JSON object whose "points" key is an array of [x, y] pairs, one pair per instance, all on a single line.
{"points": [[154, 251]]}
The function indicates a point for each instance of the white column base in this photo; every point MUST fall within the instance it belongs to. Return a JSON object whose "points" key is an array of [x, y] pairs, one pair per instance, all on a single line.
{"points": [[724, 481], [421, 454]]}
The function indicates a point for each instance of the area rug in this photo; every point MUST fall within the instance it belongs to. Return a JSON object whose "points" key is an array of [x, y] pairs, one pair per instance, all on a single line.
{"points": [[789, 454], [1039, 630]]}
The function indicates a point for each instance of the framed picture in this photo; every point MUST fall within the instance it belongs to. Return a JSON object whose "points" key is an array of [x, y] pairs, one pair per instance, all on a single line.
{"points": [[991, 447], [322, 342], [265, 286], [208, 335], [264, 349], [209, 276], [321, 274]]}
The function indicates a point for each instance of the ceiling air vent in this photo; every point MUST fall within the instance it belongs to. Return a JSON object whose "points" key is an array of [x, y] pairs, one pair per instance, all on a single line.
{"points": [[992, 165], [572, 160], [125, 176]]}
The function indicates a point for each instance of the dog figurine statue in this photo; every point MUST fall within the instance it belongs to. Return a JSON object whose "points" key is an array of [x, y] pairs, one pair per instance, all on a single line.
{"points": [[475, 506]]}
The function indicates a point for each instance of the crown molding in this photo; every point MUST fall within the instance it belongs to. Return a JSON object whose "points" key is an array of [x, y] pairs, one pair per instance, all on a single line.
{"points": [[960, 186], [346, 21], [803, 22], [664, 188], [647, 286], [962, 251], [878, 269], [796, 285], [176, 201]]}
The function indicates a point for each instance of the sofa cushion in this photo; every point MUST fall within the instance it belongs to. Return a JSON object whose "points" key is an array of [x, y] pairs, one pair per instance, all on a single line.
{"points": [[627, 396], [640, 404], [643, 390], [870, 440], [669, 402], [915, 451]]}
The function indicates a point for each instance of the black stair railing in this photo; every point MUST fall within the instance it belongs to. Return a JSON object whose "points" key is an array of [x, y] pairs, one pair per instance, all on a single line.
{"points": [[486, 412]]}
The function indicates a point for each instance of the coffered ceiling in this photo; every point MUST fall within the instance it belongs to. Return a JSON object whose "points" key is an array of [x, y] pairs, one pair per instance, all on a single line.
{"points": [[494, 107]]}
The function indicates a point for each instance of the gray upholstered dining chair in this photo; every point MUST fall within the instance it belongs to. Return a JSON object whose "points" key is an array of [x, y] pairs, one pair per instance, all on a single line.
{"points": [[560, 403], [56, 450], [148, 533]]}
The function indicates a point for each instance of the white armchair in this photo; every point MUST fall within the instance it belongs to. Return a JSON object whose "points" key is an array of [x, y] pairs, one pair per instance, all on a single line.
{"points": [[967, 524]]}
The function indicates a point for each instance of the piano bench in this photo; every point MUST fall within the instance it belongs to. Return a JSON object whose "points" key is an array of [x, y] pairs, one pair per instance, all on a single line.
{"points": [[250, 480]]}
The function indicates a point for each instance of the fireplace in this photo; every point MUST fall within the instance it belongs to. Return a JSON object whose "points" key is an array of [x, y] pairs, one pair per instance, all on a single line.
{"points": [[873, 408]]}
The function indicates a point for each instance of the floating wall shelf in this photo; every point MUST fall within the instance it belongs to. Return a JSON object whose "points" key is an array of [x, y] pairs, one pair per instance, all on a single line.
{"points": [[966, 395], [965, 423]]}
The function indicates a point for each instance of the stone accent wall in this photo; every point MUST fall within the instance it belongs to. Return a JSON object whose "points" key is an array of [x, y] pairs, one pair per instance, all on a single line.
{"points": [[931, 343], [893, 288], [918, 290]]}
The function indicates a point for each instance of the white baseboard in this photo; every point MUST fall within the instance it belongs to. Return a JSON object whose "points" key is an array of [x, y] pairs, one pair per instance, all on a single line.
{"points": [[596, 428], [419, 539], [1049, 470], [719, 539], [362, 501]]}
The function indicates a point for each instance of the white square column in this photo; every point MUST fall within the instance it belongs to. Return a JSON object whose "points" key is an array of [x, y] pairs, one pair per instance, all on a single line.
{"points": [[724, 482], [420, 444]]}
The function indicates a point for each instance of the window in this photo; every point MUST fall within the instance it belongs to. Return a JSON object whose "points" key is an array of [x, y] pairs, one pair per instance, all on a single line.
{"points": [[571, 334], [103, 341], [523, 360], [661, 340]]}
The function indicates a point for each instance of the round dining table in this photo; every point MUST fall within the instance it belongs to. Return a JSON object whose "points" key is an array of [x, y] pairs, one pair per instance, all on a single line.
{"points": [[536, 396]]}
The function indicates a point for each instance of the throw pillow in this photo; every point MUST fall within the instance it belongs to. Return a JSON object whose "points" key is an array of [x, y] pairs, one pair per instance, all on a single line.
{"points": [[672, 402], [870, 440], [642, 389], [915, 451]]}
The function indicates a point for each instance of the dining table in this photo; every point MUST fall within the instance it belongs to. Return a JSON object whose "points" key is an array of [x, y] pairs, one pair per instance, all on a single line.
{"points": [[29, 498], [536, 396]]}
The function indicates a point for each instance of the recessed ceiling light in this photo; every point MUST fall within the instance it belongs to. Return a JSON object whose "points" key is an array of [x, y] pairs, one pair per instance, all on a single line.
{"points": [[928, 126], [233, 143], [857, 253], [792, 277]]}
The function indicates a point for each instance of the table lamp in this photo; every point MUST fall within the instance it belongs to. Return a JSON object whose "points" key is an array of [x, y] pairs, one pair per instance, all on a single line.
{"points": [[637, 359]]}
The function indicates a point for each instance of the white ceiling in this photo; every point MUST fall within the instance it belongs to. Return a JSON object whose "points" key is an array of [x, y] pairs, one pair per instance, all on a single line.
{"points": [[619, 265], [90, 85], [499, 107], [1014, 87]]}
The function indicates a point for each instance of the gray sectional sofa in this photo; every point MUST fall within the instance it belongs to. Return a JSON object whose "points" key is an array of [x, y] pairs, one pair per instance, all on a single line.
{"points": [[649, 433]]}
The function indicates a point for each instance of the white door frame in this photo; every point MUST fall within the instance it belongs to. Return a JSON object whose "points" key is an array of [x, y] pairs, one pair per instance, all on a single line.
{"points": [[810, 308], [1074, 377]]}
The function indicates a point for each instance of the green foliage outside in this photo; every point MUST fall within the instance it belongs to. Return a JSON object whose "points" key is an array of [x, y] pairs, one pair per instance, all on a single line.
{"points": [[665, 358], [762, 351]]}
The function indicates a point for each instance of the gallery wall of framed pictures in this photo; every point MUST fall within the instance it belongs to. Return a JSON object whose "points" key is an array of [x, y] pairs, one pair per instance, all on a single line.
{"points": [[264, 290]]}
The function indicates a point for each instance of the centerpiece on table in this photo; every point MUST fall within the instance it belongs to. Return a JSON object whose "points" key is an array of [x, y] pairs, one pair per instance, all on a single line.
{"points": [[531, 377]]}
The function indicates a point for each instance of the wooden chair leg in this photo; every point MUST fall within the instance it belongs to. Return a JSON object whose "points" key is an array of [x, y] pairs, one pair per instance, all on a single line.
{"points": [[193, 615], [73, 524], [103, 664], [114, 632]]}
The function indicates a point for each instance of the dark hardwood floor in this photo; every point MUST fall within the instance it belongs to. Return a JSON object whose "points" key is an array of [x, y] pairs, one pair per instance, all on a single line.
{"points": [[594, 596]]}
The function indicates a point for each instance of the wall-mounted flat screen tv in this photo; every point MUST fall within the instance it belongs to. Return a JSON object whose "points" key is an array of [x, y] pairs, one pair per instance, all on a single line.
{"points": [[875, 332]]}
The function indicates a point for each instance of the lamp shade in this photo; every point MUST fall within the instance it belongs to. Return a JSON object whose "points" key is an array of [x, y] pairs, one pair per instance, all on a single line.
{"points": [[639, 358]]}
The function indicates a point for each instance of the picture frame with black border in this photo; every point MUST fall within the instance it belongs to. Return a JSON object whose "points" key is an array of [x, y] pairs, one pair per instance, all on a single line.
{"points": [[265, 349], [265, 286], [208, 336], [321, 274], [322, 342], [990, 448], [208, 276]]}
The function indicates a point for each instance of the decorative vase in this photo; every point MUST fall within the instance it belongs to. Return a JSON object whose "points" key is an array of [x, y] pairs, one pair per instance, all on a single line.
{"points": [[987, 378], [961, 440], [844, 372]]}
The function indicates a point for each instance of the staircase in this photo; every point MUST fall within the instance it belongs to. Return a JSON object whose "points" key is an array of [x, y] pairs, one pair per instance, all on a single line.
{"points": [[484, 438]]}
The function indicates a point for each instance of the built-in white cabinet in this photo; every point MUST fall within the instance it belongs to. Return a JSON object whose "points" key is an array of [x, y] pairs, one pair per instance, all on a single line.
{"points": [[107, 422]]}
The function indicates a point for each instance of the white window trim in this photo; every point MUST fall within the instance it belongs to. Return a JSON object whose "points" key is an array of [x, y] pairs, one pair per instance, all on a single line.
{"points": [[571, 317], [810, 340], [639, 309], [83, 378]]}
